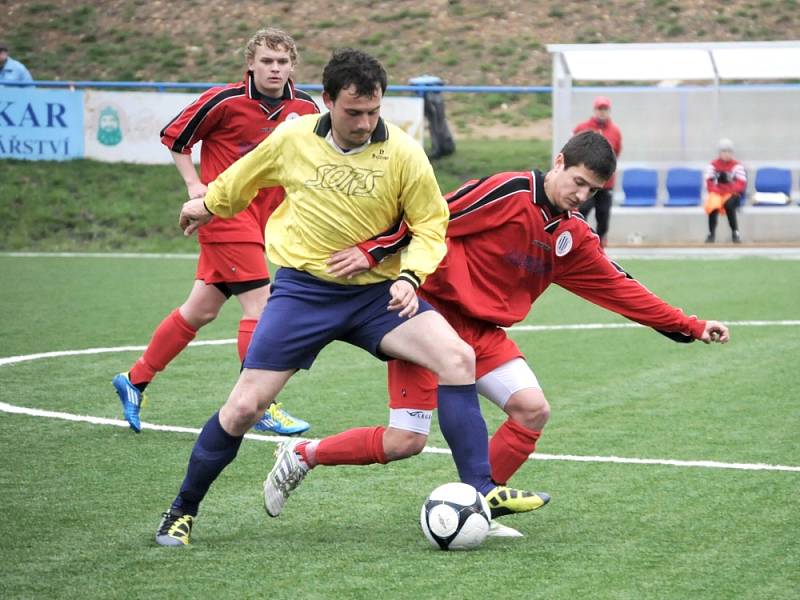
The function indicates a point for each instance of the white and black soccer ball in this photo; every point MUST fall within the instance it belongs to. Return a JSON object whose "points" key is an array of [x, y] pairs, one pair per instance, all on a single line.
{"points": [[455, 517]]}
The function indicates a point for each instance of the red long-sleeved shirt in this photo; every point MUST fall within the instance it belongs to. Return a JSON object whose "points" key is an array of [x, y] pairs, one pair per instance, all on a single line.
{"points": [[232, 120], [507, 243], [726, 177]]}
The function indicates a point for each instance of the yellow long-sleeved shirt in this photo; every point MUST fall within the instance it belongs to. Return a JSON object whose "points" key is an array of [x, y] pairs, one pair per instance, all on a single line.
{"points": [[335, 201]]}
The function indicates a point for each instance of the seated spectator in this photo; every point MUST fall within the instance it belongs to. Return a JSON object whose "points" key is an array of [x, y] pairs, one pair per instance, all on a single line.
{"points": [[726, 181], [10, 69]]}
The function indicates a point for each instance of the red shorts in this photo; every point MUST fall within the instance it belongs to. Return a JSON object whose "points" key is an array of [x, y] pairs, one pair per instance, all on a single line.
{"points": [[412, 386], [231, 263]]}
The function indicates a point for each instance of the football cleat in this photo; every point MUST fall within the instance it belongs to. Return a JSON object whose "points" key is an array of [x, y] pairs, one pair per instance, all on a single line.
{"points": [[503, 531], [287, 473], [279, 421], [131, 398], [504, 500], [175, 529]]}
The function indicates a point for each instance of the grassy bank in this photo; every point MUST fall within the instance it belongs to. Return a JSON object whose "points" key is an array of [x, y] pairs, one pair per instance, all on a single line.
{"points": [[86, 205]]}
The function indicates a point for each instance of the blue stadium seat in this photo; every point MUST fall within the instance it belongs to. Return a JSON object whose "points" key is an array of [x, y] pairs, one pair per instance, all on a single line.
{"points": [[684, 187], [640, 187], [773, 187], [774, 179]]}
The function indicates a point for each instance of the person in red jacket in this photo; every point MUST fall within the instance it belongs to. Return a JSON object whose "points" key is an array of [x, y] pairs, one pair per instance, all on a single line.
{"points": [[230, 121], [726, 181], [601, 201], [511, 236]]}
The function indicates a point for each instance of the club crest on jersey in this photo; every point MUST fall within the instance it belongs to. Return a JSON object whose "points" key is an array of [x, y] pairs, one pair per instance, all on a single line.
{"points": [[564, 243], [291, 116]]}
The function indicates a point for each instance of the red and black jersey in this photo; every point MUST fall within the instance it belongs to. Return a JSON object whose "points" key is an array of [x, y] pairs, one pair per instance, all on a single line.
{"points": [[507, 243], [609, 130], [726, 177], [230, 121]]}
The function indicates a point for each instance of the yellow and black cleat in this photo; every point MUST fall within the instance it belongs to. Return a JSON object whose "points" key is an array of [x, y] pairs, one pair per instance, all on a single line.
{"points": [[175, 529], [504, 500]]}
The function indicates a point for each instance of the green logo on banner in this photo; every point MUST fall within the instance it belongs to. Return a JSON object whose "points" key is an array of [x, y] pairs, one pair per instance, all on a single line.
{"points": [[109, 131]]}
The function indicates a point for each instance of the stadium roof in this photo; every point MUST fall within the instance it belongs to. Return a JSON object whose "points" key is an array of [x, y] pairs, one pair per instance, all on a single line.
{"points": [[707, 61]]}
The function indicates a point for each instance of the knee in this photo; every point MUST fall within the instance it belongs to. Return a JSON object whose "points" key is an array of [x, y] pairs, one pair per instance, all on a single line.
{"points": [[242, 411], [199, 317], [399, 444], [457, 363], [205, 317], [530, 411]]}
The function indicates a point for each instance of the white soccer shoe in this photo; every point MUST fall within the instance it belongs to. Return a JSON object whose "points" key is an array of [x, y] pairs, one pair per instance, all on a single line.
{"points": [[503, 531], [287, 473]]}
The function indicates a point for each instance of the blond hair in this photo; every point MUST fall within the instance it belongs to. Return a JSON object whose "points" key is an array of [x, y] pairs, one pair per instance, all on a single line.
{"points": [[275, 39]]}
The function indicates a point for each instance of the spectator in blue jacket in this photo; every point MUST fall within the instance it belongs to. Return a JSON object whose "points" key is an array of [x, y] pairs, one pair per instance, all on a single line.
{"points": [[10, 69]]}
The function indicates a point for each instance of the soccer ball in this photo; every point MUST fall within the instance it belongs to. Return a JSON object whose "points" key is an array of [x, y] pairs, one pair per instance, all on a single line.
{"points": [[455, 517]]}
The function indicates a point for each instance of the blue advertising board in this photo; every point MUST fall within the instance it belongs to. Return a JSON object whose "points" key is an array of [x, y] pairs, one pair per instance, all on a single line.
{"points": [[37, 124]]}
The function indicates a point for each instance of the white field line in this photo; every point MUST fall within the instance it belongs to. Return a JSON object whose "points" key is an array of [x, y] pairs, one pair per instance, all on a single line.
{"points": [[10, 408], [709, 464], [10, 360]]}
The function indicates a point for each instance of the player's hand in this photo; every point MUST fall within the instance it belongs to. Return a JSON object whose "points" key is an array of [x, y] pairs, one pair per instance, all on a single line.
{"points": [[715, 332], [403, 298], [193, 214], [347, 263]]}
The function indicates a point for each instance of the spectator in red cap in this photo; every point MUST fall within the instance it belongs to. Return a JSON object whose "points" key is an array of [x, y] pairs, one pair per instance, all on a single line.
{"points": [[601, 202]]}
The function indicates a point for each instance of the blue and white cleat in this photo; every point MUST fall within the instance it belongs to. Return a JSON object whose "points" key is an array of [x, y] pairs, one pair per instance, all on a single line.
{"points": [[279, 421], [131, 398]]}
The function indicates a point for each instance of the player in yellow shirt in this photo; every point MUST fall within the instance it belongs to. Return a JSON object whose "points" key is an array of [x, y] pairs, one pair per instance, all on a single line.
{"points": [[348, 176]]}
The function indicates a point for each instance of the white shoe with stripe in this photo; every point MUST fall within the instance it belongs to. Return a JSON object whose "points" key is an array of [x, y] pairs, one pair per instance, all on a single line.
{"points": [[287, 473]]}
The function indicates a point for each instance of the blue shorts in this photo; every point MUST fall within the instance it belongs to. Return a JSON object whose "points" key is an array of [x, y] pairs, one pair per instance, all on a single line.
{"points": [[304, 314]]}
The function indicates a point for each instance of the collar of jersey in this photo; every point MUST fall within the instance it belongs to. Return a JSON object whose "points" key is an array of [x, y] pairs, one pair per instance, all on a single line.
{"points": [[252, 90], [381, 133]]}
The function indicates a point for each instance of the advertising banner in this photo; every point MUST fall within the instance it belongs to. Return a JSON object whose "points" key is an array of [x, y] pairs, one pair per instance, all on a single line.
{"points": [[37, 124], [125, 126]]}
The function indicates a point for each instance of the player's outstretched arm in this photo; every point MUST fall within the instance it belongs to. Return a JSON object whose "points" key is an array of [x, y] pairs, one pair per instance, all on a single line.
{"points": [[193, 214], [715, 332]]}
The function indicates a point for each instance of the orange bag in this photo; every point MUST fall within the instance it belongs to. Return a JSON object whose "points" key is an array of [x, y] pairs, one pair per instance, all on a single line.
{"points": [[716, 202]]}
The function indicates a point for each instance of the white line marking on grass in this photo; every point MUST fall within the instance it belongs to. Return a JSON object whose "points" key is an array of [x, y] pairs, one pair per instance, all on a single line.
{"points": [[709, 464], [10, 360], [10, 408]]}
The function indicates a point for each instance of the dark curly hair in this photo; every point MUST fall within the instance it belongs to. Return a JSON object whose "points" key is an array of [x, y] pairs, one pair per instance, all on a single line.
{"points": [[352, 67]]}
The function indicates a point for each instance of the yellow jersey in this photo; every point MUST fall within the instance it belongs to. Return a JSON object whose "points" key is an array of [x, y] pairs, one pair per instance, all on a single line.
{"points": [[335, 200]]}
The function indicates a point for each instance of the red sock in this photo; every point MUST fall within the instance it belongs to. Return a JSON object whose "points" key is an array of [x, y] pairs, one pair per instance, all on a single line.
{"points": [[246, 329], [171, 336], [359, 446], [509, 448]]}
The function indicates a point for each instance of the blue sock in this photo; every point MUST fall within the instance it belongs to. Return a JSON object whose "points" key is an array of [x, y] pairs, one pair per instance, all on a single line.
{"points": [[462, 425], [212, 452]]}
